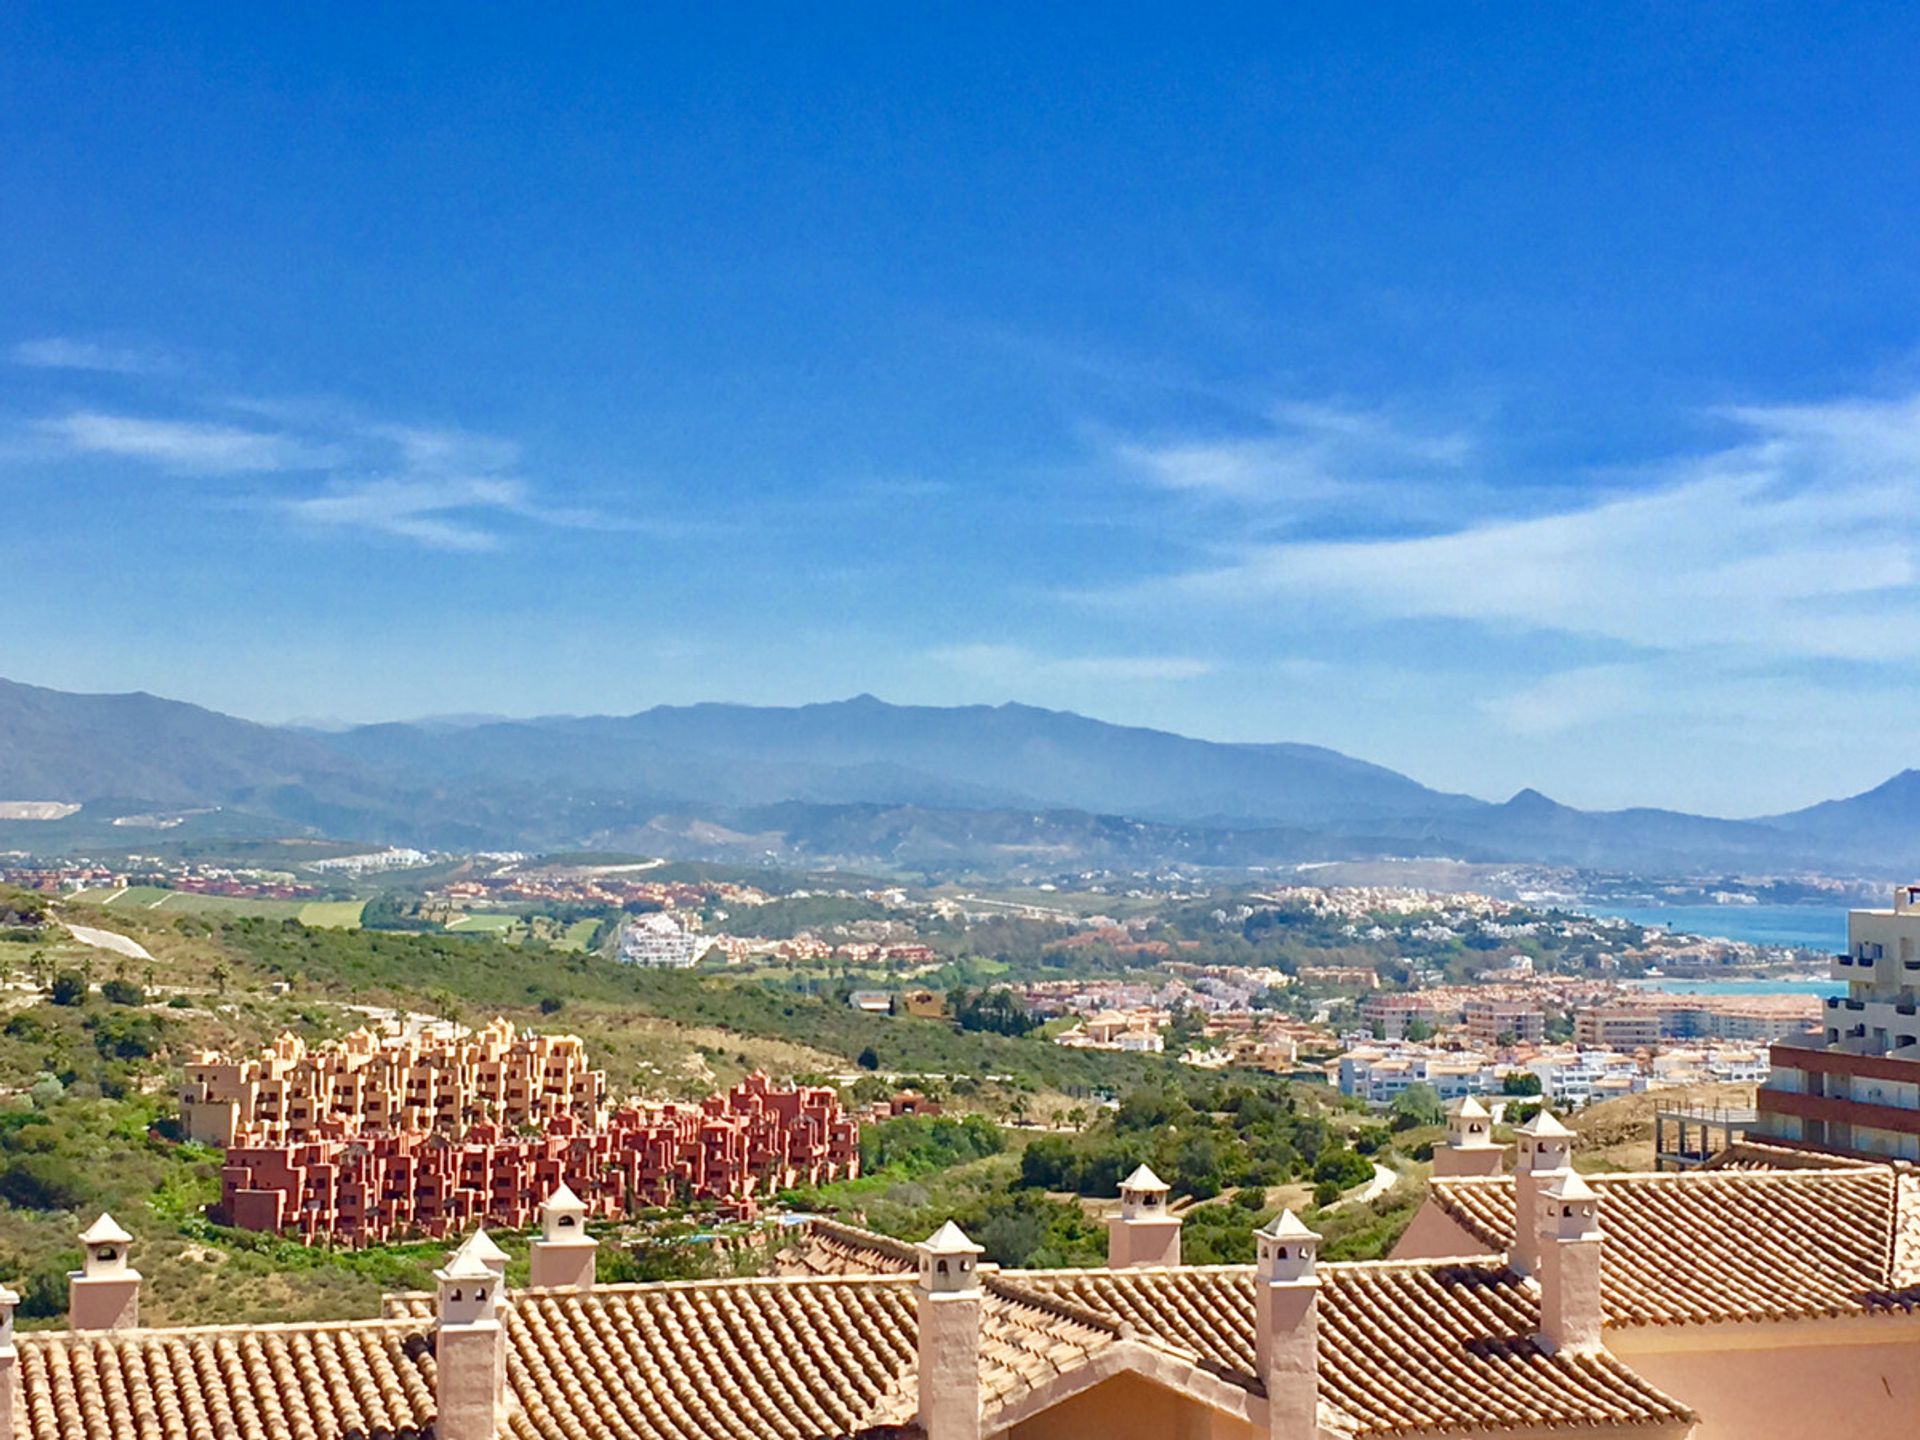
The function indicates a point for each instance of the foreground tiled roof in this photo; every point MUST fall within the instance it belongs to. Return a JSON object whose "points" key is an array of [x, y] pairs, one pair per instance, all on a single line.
{"points": [[1725, 1245], [1404, 1346], [315, 1382]]}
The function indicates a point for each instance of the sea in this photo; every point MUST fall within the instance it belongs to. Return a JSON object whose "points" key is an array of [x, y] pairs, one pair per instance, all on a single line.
{"points": [[1821, 928], [1813, 927]]}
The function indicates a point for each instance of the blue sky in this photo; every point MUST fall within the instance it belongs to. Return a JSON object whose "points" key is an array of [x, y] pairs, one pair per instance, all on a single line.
{"points": [[1512, 395]]}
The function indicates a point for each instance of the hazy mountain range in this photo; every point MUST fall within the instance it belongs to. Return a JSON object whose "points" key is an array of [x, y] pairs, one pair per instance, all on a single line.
{"points": [[856, 782]]}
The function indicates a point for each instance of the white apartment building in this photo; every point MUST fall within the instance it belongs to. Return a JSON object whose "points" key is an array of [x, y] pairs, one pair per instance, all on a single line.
{"points": [[657, 941], [1377, 1074], [1571, 1078]]}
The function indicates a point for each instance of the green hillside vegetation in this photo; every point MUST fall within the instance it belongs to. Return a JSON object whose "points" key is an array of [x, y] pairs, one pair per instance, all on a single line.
{"points": [[90, 1059], [1244, 1150]]}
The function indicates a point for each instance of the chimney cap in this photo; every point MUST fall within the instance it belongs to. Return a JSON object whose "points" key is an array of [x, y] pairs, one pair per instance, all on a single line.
{"points": [[8, 1297], [1544, 1127], [1468, 1108], [105, 1231], [1286, 1226], [464, 1266], [1569, 1186], [563, 1198], [950, 1239], [1144, 1179], [480, 1246]]}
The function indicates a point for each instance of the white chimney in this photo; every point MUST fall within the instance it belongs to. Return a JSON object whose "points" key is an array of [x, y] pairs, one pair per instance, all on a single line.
{"points": [[1570, 1245], [1469, 1149], [563, 1257], [1545, 1149], [1143, 1233], [1286, 1326], [948, 1315], [470, 1349], [104, 1294]]}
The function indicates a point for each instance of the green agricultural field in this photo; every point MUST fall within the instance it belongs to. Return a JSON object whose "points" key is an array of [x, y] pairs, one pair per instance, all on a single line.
{"points": [[135, 897], [494, 924], [335, 914], [332, 914], [182, 902], [579, 934]]}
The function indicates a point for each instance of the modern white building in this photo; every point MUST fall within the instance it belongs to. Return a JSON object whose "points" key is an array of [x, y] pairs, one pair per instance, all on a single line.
{"points": [[657, 941], [1377, 1073]]}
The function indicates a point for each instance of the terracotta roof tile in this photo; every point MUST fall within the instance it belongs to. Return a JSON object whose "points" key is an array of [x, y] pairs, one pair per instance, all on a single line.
{"points": [[731, 1360], [1403, 1346], [311, 1382], [1722, 1245], [826, 1247]]}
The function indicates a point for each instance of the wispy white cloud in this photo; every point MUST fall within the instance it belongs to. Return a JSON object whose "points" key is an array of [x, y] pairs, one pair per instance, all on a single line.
{"points": [[441, 513], [187, 446], [1790, 542], [1016, 664], [62, 353], [1307, 457], [335, 470]]}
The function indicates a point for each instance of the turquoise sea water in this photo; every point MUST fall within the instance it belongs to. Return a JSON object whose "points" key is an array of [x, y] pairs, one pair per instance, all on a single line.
{"points": [[1816, 927], [1742, 987]]}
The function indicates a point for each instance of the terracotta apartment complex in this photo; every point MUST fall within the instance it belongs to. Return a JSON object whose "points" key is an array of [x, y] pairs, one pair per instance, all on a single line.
{"points": [[392, 1084], [381, 1138]]}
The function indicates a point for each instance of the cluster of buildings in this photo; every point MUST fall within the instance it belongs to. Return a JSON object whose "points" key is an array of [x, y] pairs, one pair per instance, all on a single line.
{"points": [[736, 1147], [432, 1078], [1570, 1076], [610, 887], [1600, 1012], [59, 877], [427, 1133]]}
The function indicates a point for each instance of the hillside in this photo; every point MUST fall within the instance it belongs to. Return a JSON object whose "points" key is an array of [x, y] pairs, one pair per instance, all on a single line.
{"points": [[1008, 789], [91, 1073], [138, 746], [866, 751]]}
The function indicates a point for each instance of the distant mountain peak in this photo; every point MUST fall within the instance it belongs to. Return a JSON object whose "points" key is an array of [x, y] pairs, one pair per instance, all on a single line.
{"points": [[1532, 799]]}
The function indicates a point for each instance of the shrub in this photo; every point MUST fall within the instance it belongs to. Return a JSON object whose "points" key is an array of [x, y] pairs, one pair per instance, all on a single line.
{"points": [[1342, 1167], [69, 988], [122, 992], [45, 1182], [126, 1037]]}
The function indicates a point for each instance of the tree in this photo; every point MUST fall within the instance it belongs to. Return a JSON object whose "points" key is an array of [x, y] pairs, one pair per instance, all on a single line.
{"points": [[1419, 1104], [1419, 1029], [119, 991], [869, 1059], [68, 988], [1520, 1082]]}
